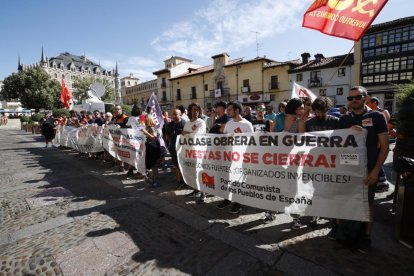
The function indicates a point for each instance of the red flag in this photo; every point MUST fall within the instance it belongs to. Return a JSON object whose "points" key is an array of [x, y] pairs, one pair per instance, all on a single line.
{"points": [[343, 18], [207, 180], [65, 95]]}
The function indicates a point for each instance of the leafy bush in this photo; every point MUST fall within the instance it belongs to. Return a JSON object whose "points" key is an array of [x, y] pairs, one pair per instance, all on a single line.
{"points": [[57, 112], [126, 109], [405, 105], [24, 119], [37, 117]]}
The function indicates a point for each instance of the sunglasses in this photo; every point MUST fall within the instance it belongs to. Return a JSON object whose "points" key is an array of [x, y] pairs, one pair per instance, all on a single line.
{"points": [[357, 97], [260, 109]]}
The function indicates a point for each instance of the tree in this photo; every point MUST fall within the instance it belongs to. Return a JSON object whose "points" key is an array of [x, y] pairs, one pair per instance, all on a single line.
{"points": [[405, 104], [82, 87], [34, 88]]}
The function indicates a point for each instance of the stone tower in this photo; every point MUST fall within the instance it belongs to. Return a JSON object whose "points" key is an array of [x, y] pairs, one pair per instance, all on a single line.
{"points": [[118, 98]]}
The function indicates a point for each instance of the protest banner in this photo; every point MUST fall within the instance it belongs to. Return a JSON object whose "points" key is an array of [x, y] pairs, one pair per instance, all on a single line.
{"points": [[316, 174], [86, 138], [126, 145]]}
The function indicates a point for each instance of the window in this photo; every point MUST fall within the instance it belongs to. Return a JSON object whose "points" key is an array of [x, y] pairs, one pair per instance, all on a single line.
{"points": [[63, 76], [245, 83], [129, 83], [193, 93], [55, 75], [339, 91], [164, 95], [219, 85], [367, 79], [379, 78], [322, 92], [163, 83], [341, 72], [299, 77], [274, 82], [315, 76], [178, 94], [205, 87]]}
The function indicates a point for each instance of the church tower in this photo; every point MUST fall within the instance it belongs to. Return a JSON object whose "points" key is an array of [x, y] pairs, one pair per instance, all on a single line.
{"points": [[19, 65], [118, 98]]}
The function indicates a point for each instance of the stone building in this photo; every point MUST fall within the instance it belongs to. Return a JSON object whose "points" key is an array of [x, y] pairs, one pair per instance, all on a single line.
{"points": [[67, 66]]}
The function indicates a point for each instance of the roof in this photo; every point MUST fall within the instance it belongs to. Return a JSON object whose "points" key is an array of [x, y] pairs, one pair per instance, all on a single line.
{"points": [[329, 62], [66, 58], [162, 71], [391, 24], [282, 63], [241, 61], [201, 70]]}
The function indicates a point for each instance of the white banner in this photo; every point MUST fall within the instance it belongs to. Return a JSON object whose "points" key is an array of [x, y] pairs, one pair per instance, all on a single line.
{"points": [[316, 173], [87, 138], [125, 144]]}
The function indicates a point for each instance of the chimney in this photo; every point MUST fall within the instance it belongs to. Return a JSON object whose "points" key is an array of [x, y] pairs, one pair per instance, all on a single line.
{"points": [[305, 57], [319, 57]]}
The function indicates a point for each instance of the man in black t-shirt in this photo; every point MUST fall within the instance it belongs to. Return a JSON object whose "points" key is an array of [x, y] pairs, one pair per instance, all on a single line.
{"points": [[260, 124], [377, 148], [322, 120], [175, 128], [218, 118]]}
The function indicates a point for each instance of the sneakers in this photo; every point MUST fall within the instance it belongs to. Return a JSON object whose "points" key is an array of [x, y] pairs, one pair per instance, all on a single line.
{"points": [[296, 224], [235, 209], [130, 173], [364, 245], [201, 199], [139, 176], [314, 221], [332, 233], [269, 217], [223, 204]]}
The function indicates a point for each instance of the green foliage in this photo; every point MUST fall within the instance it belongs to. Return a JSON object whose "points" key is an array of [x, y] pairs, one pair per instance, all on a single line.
{"points": [[59, 111], [34, 88], [37, 117], [24, 119], [82, 86], [405, 105], [126, 109]]}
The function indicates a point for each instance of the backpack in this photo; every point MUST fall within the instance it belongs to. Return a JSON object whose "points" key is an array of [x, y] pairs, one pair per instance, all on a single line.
{"points": [[350, 232]]}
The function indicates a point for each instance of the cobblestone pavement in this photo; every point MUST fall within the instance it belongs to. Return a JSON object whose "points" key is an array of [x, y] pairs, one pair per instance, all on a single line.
{"points": [[61, 214]]}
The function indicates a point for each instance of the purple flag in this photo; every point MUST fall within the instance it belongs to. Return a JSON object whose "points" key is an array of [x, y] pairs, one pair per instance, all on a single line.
{"points": [[155, 111]]}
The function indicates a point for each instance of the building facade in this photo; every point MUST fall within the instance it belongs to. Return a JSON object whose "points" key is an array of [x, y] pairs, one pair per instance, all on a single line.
{"points": [[67, 67], [139, 94], [325, 76], [385, 57]]}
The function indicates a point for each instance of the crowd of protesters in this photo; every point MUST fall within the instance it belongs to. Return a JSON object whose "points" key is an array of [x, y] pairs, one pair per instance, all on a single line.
{"points": [[297, 115]]}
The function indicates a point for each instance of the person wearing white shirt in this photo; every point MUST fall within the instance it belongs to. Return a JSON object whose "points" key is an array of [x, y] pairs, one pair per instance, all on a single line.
{"points": [[236, 125], [195, 125]]}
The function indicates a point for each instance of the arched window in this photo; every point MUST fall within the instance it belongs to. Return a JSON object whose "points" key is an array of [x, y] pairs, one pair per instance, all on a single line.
{"points": [[55, 76]]}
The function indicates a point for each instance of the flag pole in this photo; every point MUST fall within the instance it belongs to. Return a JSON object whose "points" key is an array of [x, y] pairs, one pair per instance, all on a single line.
{"points": [[340, 65]]}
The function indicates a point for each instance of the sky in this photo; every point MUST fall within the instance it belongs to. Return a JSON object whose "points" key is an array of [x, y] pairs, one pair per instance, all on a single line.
{"points": [[140, 35]]}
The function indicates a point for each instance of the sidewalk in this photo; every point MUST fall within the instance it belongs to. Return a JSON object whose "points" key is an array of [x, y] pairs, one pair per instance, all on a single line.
{"points": [[72, 216]]}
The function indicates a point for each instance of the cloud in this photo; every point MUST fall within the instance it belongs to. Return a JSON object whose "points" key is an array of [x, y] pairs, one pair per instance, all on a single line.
{"points": [[141, 67], [229, 25]]}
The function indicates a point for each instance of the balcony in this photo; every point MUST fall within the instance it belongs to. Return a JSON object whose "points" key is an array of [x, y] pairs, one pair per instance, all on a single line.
{"points": [[273, 85], [315, 82], [224, 92], [245, 89]]}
